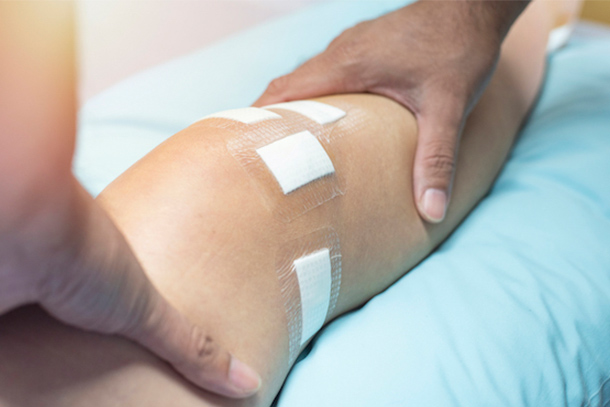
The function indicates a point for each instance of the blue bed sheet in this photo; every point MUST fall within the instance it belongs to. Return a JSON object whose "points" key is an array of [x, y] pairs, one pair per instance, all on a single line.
{"points": [[512, 310]]}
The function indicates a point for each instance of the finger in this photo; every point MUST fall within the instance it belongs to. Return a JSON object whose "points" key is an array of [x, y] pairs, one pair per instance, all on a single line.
{"points": [[317, 77], [191, 350], [96, 283], [435, 159]]}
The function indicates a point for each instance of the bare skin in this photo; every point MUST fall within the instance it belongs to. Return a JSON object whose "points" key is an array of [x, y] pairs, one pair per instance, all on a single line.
{"points": [[58, 248], [208, 241], [437, 58]]}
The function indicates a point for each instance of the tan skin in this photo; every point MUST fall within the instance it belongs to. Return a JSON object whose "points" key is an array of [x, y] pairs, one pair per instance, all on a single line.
{"points": [[58, 248], [208, 241], [459, 39]]}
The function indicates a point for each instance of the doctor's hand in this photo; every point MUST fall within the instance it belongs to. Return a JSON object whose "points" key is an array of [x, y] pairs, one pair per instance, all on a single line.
{"points": [[433, 57], [60, 250]]}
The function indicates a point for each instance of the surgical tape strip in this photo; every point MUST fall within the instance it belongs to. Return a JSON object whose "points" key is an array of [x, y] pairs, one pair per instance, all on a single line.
{"points": [[319, 112], [314, 275], [247, 115], [296, 160], [309, 272]]}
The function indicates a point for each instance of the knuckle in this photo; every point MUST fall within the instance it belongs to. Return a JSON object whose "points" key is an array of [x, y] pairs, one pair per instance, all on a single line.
{"points": [[348, 59], [278, 85], [440, 160], [354, 54], [203, 347], [350, 47], [348, 53]]}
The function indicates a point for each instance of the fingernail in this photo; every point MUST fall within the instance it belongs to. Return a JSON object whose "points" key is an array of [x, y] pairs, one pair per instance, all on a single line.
{"points": [[434, 204], [243, 377]]}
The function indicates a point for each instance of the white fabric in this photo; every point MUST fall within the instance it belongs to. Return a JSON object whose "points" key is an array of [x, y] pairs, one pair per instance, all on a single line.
{"points": [[559, 37]]}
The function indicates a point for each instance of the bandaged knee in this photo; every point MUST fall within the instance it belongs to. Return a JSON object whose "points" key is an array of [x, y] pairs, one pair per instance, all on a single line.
{"points": [[287, 149], [309, 273]]}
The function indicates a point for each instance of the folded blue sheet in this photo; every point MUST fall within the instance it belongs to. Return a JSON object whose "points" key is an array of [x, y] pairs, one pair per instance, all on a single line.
{"points": [[512, 310]]}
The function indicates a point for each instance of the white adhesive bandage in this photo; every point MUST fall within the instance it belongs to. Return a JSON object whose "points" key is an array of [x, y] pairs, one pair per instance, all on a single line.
{"points": [[314, 275], [296, 160], [319, 112], [291, 159], [309, 273], [247, 115]]}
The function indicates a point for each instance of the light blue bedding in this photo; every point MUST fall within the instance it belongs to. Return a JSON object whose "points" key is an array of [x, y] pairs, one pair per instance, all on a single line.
{"points": [[512, 310]]}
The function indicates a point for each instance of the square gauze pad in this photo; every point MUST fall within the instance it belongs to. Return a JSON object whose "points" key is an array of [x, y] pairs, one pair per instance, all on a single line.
{"points": [[296, 160], [314, 274]]}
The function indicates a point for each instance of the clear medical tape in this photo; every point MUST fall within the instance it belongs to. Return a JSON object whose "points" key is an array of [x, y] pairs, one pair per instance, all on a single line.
{"points": [[285, 137], [301, 267]]}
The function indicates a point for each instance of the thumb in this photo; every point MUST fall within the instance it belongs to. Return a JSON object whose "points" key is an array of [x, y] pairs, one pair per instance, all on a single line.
{"points": [[125, 302], [317, 77], [435, 160], [190, 349], [96, 283]]}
